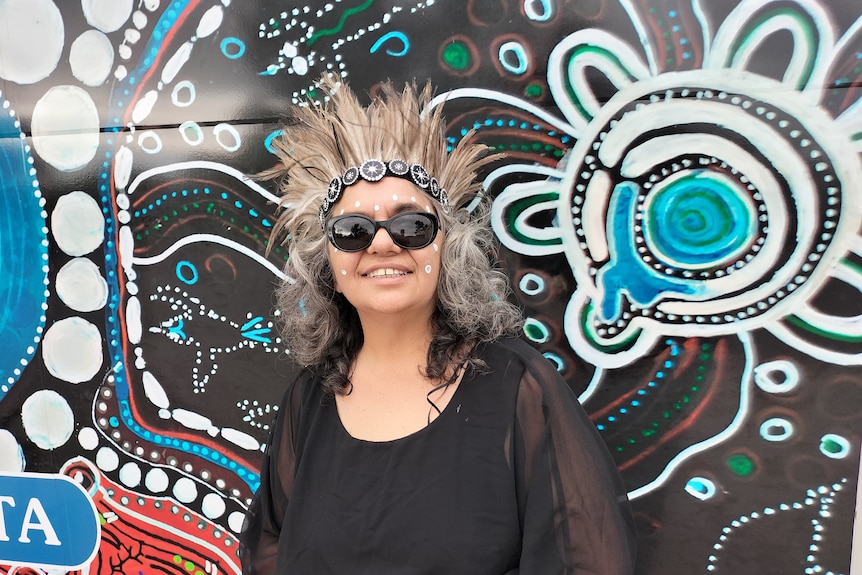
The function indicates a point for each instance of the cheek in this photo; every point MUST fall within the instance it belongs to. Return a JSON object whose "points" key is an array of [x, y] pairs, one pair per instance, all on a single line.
{"points": [[340, 265]]}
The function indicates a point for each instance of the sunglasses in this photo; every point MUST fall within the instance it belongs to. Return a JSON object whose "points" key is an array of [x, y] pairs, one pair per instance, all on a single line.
{"points": [[408, 230]]}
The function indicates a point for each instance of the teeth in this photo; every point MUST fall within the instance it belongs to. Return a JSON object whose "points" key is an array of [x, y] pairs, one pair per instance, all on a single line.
{"points": [[386, 272]]}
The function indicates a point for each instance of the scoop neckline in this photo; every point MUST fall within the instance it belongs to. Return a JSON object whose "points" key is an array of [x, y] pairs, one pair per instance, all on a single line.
{"points": [[443, 414]]}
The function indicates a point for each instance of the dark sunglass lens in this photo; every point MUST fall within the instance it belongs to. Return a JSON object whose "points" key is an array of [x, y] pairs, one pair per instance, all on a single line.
{"points": [[412, 231], [352, 233]]}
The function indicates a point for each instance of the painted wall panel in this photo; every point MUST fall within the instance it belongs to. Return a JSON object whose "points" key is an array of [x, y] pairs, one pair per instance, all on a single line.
{"points": [[692, 267]]}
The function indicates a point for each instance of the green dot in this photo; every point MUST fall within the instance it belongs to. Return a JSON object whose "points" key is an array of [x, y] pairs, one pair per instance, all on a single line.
{"points": [[189, 566], [533, 91], [829, 445], [178, 559], [741, 464], [457, 55]]}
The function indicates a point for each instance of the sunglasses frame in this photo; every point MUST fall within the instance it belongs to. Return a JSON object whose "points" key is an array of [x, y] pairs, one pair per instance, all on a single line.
{"points": [[385, 224]]}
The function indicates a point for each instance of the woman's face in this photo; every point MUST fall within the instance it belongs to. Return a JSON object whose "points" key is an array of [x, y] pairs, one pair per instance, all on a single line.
{"points": [[385, 278]]}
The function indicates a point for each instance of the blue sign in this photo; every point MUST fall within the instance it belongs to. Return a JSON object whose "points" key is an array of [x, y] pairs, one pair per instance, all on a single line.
{"points": [[46, 520]]}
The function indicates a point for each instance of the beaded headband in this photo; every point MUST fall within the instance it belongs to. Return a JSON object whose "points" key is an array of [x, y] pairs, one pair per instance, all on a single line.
{"points": [[376, 170]]}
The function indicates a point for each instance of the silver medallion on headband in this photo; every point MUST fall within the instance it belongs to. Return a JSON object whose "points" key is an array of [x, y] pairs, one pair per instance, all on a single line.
{"points": [[376, 170]]}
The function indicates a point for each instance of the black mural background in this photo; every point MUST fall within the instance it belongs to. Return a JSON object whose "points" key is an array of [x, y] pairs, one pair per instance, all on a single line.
{"points": [[780, 506]]}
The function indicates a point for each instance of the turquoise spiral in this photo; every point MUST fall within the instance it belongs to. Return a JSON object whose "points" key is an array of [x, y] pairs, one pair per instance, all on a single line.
{"points": [[698, 222]]}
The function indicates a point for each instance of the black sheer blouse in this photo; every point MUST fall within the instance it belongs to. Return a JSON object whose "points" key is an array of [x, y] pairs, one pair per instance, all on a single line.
{"points": [[512, 478]]}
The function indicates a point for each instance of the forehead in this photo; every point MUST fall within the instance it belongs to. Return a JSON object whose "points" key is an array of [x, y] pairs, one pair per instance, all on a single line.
{"points": [[388, 194]]}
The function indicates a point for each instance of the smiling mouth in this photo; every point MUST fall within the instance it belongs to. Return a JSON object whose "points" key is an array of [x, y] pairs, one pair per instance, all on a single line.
{"points": [[385, 273]]}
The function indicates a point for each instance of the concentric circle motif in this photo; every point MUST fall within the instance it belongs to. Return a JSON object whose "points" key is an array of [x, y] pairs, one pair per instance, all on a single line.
{"points": [[350, 176], [434, 188], [702, 207], [698, 226], [372, 170]]}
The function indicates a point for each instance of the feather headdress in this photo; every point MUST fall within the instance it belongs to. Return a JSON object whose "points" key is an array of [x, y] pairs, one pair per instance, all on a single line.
{"points": [[324, 140]]}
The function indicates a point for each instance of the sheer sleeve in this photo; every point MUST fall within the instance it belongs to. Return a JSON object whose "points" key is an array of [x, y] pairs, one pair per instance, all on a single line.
{"points": [[262, 526], [574, 511]]}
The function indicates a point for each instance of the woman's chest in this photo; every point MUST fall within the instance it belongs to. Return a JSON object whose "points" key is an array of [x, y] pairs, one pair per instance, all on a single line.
{"points": [[439, 501]]}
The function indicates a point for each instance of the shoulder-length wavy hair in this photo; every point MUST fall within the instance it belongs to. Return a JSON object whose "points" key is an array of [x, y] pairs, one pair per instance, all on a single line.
{"points": [[320, 327]]}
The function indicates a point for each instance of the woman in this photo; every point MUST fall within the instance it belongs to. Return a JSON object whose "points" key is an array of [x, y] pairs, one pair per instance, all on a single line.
{"points": [[422, 437]]}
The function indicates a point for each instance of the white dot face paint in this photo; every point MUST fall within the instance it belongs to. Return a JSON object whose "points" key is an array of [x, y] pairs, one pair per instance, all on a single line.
{"points": [[356, 204], [394, 198], [428, 268], [436, 248], [344, 272], [341, 213], [376, 208], [428, 209], [413, 199]]}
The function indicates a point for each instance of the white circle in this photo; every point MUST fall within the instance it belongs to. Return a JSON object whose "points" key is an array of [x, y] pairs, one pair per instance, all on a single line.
{"points": [[776, 429], [227, 137], [107, 459], [91, 58], [777, 376], [66, 128], [130, 474], [48, 419], [107, 15], [235, 521], [72, 350], [185, 490], [213, 506], [157, 480], [11, 454], [88, 438], [31, 39], [81, 286], [191, 132], [77, 224]]}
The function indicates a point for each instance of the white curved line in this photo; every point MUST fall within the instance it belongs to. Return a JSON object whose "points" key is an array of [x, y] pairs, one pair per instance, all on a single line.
{"points": [[735, 425], [212, 238], [593, 386], [202, 165], [503, 99]]}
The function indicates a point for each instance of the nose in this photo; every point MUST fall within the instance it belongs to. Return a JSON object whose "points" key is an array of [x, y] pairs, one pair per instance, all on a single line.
{"points": [[382, 243]]}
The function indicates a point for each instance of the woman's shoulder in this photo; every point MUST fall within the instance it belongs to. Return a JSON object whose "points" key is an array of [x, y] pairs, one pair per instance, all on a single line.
{"points": [[524, 367], [299, 391], [514, 350]]}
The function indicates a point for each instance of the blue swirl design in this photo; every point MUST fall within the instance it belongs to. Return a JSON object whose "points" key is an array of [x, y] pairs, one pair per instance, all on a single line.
{"points": [[698, 222]]}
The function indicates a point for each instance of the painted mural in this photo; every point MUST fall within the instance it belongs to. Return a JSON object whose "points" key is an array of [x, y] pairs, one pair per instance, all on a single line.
{"points": [[678, 212]]}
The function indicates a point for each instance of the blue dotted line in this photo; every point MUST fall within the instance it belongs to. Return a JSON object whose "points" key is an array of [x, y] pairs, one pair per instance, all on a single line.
{"points": [[251, 478], [654, 382]]}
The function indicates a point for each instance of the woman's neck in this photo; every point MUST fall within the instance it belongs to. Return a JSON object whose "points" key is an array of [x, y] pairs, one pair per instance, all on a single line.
{"points": [[395, 343]]}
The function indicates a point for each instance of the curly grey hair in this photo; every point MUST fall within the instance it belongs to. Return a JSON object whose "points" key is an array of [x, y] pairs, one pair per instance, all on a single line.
{"points": [[320, 327]]}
